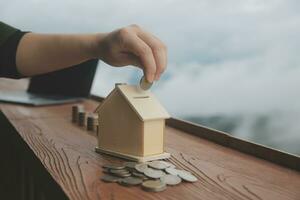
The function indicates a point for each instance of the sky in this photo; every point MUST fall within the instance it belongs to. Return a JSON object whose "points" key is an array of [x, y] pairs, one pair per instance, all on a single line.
{"points": [[226, 58]]}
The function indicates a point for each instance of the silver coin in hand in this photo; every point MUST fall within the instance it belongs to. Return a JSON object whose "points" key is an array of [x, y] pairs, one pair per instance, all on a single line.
{"points": [[144, 84]]}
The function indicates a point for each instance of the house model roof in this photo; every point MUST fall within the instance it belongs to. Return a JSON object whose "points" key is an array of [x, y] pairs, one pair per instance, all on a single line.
{"points": [[144, 103]]}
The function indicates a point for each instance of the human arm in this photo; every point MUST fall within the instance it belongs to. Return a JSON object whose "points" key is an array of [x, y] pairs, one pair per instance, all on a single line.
{"points": [[42, 53]]}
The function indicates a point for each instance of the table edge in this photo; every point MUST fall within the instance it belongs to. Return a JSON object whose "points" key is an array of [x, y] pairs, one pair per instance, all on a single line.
{"points": [[258, 150]]}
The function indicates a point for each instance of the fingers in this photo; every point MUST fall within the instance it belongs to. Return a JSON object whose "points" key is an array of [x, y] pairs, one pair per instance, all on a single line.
{"points": [[142, 50], [149, 49], [129, 59], [159, 52]]}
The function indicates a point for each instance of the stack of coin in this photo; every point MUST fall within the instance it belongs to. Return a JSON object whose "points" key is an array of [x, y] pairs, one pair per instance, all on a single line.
{"points": [[153, 176], [81, 118], [75, 110], [92, 122]]}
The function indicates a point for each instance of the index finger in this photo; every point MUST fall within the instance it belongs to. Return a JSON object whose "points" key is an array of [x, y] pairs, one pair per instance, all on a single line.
{"points": [[139, 48], [159, 51]]}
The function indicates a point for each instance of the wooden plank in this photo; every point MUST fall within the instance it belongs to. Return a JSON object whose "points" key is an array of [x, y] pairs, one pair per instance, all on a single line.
{"points": [[273, 155], [22, 174], [224, 139], [67, 153]]}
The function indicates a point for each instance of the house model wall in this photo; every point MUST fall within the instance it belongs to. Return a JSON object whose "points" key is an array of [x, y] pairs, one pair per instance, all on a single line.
{"points": [[132, 124]]}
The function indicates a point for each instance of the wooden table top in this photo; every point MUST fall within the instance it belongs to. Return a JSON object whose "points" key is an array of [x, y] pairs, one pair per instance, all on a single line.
{"points": [[67, 153]]}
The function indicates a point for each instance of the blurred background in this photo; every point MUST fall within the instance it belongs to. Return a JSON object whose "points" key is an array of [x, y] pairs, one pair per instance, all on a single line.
{"points": [[233, 65]]}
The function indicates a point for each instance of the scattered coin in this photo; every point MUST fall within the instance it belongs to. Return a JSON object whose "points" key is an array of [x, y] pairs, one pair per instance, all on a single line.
{"points": [[172, 171], [120, 174], [170, 179], [141, 167], [123, 175], [119, 171], [157, 165], [144, 84], [153, 173], [154, 185], [129, 181], [130, 165], [154, 176], [114, 166], [110, 178], [168, 164], [187, 176], [140, 175]]}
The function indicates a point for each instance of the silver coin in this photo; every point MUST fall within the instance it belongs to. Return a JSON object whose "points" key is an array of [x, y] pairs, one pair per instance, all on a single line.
{"points": [[154, 173], [81, 118], [154, 185], [172, 171], [168, 164], [75, 110], [114, 166], [130, 165], [170, 179], [139, 175], [110, 178], [141, 167], [183, 171], [129, 181], [187, 176], [119, 171], [158, 164], [144, 84], [123, 175], [92, 121]]}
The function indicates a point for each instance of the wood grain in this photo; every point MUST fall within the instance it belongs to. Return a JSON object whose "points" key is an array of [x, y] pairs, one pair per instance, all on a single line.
{"points": [[67, 152]]}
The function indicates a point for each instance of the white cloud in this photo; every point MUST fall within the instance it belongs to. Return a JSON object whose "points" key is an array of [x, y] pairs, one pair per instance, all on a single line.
{"points": [[225, 57]]}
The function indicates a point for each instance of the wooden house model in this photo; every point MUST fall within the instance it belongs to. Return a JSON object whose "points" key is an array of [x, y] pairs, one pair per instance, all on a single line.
{"points": [[131, 124]]}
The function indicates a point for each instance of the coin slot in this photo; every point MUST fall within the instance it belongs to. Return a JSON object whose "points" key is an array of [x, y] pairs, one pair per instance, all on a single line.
{"points": [[141, 97]]}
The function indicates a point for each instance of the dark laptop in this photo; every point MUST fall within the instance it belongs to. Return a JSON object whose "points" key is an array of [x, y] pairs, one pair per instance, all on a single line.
{"points": [[64, 86]]}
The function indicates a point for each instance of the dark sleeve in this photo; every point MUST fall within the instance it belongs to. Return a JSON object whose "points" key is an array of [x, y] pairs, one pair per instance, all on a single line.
{"points": [[9, 40]]}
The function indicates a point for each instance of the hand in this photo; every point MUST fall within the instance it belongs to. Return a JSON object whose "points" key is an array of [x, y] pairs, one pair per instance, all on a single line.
{"points": [[133, 46]]}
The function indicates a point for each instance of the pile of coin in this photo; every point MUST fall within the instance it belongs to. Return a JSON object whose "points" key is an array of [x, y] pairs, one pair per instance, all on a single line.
{"points": [[75, 110], [92, 122], [83, 118], [153, 176]]}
